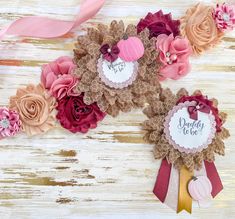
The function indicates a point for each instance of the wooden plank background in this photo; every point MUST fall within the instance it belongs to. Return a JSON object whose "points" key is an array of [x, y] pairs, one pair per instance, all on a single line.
{"points": [[109, 171]]}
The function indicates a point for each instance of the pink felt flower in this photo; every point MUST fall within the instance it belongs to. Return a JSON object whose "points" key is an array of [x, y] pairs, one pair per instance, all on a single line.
{"points": [[64, 86], [224, 16], [174, 54], [51, 71], [159, 23], [9, 122]]}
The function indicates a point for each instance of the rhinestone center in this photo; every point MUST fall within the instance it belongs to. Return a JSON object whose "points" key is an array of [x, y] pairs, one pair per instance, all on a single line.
{"points": [[226, 17], [4, 123]]}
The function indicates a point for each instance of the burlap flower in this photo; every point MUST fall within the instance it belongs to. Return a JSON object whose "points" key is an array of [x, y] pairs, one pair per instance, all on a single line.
{"points": [[199, 26], [35, 108], [157, 112], [111, 100]]}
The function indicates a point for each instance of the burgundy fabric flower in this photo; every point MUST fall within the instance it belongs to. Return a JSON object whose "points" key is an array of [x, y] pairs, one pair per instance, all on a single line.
{"points": [[159, 23], [110, 54], [204, 99], [76, 116]]}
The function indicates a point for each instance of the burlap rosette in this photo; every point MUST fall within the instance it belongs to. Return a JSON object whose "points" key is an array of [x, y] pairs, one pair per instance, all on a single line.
{"points": [[154, 128], [110, 100]]}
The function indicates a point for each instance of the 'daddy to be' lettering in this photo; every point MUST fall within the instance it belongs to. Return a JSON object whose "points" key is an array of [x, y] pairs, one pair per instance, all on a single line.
{"points": [[190, 128]]}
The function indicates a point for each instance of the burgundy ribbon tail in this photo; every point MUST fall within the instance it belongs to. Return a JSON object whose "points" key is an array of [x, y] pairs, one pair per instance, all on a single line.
{"points": [[214, 178], [162, 181]]}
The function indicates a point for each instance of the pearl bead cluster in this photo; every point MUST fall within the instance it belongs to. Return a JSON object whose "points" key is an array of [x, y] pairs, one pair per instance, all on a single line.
{"points": [[170, 58]]}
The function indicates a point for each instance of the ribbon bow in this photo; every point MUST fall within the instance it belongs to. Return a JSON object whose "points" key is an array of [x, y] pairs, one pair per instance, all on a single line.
{"points": [[110, 54], [200, 106]]}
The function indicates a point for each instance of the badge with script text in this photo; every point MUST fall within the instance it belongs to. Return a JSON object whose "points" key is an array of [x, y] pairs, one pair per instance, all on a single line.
{"points": [[186, 133], [118, 74]]}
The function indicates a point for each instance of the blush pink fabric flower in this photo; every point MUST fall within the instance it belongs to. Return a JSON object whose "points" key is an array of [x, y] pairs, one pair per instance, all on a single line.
{"points": [[9, 122], [224, 16], [174, 54], [159, 23], [64, 86], [51, 72]]}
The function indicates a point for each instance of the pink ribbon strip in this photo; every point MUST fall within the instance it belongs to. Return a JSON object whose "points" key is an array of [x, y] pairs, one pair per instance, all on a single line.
{"points": [[162, 182], [43, 27], [171, 199], [213, 176]]}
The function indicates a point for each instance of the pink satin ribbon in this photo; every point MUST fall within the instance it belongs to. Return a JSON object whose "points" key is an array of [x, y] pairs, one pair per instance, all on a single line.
{"points": [[171, 199], [42, 27]]}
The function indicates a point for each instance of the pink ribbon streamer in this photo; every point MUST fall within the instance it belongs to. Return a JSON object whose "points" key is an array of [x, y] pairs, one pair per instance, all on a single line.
{"points": [[42, 27], [171, 199], [213, 176], [162, 182]]}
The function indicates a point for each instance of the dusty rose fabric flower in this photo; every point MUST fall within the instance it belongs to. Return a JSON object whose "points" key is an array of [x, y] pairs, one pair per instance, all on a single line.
{"points": [[51, 71], [9, 123], [224, 16], [64, 86], [76, 116], [174, 54], [159, 23], [35, 108], [199, 27]]}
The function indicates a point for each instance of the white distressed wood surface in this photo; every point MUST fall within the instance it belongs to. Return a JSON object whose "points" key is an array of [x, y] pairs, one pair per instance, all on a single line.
{"points": [[110, 171]]}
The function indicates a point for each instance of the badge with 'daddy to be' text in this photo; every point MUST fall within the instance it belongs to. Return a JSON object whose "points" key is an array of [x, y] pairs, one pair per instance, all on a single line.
{"points": [[189, 132]]}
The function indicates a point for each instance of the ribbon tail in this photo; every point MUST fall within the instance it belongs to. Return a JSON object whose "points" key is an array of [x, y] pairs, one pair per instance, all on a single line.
{"points": [[213, 176], [171, 199], [89, 8], [184, 199], [162, 182], [43, 27]]}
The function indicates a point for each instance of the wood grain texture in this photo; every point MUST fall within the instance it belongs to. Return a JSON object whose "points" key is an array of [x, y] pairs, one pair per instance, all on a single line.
{"points": [[110, 170]]}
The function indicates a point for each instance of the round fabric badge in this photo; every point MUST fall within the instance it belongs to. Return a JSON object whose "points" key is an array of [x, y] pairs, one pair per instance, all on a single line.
{"points": [[118, 74], [186, 133]]}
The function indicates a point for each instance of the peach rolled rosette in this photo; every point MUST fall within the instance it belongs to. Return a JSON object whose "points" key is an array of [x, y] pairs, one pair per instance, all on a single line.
{"points": [[35, 108], [199, 26]]}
